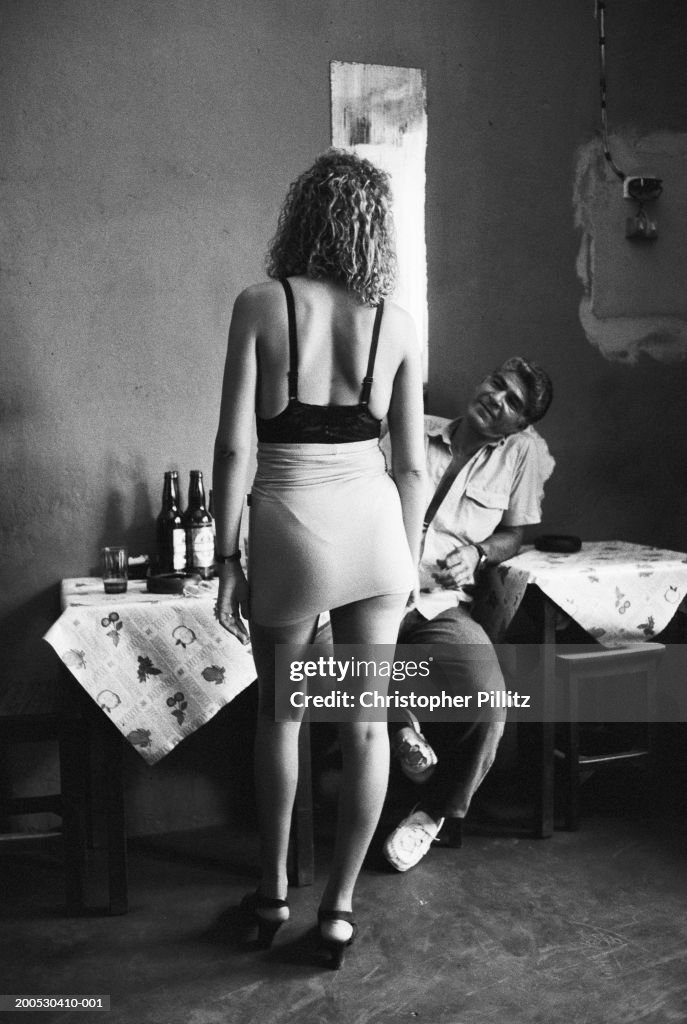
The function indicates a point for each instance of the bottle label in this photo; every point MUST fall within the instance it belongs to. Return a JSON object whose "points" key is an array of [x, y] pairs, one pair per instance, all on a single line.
{"points": [[202, 547], [178, 550]]}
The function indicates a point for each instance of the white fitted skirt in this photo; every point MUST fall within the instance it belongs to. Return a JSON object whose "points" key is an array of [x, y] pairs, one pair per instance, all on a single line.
{"points": [[326, 530]]}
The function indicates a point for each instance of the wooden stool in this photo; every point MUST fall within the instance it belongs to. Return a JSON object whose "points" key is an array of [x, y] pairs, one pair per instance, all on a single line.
{"points": [[601, 664]]}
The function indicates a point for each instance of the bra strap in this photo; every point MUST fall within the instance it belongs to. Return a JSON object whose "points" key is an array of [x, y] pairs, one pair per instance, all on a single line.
{"points": [[368, 378], [293, 341]]}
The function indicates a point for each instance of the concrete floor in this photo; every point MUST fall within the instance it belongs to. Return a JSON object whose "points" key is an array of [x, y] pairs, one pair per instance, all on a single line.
{"points": [[587, 928]]}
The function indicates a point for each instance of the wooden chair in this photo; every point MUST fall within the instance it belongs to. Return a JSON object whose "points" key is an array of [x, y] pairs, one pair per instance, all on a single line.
{"points": [[598, 665], [70, 803], [77, 730], [74, 734]]}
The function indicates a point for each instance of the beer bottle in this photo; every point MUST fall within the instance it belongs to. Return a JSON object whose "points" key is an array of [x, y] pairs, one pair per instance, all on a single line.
{"points": [[197, 521], [171, 536]]}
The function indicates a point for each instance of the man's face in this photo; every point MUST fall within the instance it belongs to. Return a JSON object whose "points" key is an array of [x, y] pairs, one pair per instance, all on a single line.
{"points": [[497, 407]]}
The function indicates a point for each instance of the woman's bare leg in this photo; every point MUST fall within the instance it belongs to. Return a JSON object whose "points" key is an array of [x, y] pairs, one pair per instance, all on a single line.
{"points": [[365, 758], [276, 756]]}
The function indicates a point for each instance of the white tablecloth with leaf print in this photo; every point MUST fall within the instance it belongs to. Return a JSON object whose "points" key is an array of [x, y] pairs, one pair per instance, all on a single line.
{"points": [[618, 592], [158, 665]]}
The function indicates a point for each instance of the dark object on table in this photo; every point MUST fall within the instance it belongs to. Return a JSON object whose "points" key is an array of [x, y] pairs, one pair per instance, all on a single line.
{"points": [[563, 543], [138, 567], [171, 582]]}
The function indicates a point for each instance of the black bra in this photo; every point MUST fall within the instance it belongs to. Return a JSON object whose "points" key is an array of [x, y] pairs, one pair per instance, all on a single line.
{"points": [[300, 423]]}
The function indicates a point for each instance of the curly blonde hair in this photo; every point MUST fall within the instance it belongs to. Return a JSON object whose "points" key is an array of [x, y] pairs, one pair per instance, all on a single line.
{"points": [[336, 224]]}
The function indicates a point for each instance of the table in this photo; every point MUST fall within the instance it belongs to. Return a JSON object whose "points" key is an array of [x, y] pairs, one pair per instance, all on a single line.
{"points": [[159, 667], [618, 592]]}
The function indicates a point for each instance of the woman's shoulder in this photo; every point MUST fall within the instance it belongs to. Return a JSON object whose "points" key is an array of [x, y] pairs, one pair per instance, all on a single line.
{"points": [[260, 304], [262, 292], [399, 323], [393, 311]]}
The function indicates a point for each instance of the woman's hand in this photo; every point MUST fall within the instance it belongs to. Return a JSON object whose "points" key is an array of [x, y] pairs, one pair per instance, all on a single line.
{"points": [[414, 596], [232, 601]]}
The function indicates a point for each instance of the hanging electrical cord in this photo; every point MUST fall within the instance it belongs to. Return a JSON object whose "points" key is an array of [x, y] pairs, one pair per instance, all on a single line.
{"points": [[601, 18], [641, 189]]}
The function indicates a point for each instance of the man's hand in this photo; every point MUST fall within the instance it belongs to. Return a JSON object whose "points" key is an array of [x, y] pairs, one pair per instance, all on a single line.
{"points": [[458, 568]]}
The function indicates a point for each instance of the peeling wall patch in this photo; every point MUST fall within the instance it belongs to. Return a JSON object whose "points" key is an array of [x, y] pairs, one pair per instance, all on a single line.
{"points": [[634, 301]]}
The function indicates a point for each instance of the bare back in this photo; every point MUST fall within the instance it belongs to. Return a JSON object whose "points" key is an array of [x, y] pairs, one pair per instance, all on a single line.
{"points": [[334, 338]]}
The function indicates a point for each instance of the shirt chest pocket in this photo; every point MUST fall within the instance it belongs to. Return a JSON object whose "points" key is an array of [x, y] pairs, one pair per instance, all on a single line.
{"points": [[488, 497], [483, 509]]}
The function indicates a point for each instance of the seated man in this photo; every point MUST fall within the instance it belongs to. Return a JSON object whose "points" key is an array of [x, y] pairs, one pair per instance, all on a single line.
{"points": [[486, 473]]}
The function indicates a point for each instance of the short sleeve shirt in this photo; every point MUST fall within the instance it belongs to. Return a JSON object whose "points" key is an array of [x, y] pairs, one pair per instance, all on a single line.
{"points": [[502, 484]]}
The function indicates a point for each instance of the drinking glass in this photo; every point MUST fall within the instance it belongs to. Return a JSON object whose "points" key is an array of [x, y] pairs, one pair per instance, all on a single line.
{"points": [[115, 564]]}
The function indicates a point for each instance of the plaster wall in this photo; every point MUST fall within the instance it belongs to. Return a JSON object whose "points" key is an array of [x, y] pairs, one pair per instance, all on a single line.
{"points": [[519, 276], [145, 147]]}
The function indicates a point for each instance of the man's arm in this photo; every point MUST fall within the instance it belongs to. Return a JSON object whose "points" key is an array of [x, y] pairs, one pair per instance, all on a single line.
{"points": [[460, 566], [505, 542]]}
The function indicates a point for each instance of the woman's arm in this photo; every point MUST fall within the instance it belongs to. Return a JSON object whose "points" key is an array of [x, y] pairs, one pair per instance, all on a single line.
{"points": [[406, 433], [231, 458]]}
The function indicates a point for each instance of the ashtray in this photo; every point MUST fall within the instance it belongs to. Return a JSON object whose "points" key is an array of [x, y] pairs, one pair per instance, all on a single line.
{"points": [[171, 582], [562, 543]]}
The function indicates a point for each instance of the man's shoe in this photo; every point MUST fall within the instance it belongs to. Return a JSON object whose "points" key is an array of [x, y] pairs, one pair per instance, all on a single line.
{"points": [[415, 756], [407, 844]]}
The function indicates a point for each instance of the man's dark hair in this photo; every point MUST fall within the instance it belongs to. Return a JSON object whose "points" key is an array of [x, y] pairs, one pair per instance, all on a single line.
{"points": [[537, 383]]}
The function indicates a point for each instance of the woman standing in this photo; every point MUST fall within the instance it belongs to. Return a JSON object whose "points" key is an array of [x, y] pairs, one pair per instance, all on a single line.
{"points": [[319, 358]]}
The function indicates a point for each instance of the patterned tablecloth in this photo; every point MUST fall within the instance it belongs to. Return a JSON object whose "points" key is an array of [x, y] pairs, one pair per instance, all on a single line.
{"points": [[619, 593], [159, 665]]}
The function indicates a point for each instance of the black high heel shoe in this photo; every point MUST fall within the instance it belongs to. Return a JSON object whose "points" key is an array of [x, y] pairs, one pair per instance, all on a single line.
{"points": [[336, 947], [267, 914]]}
